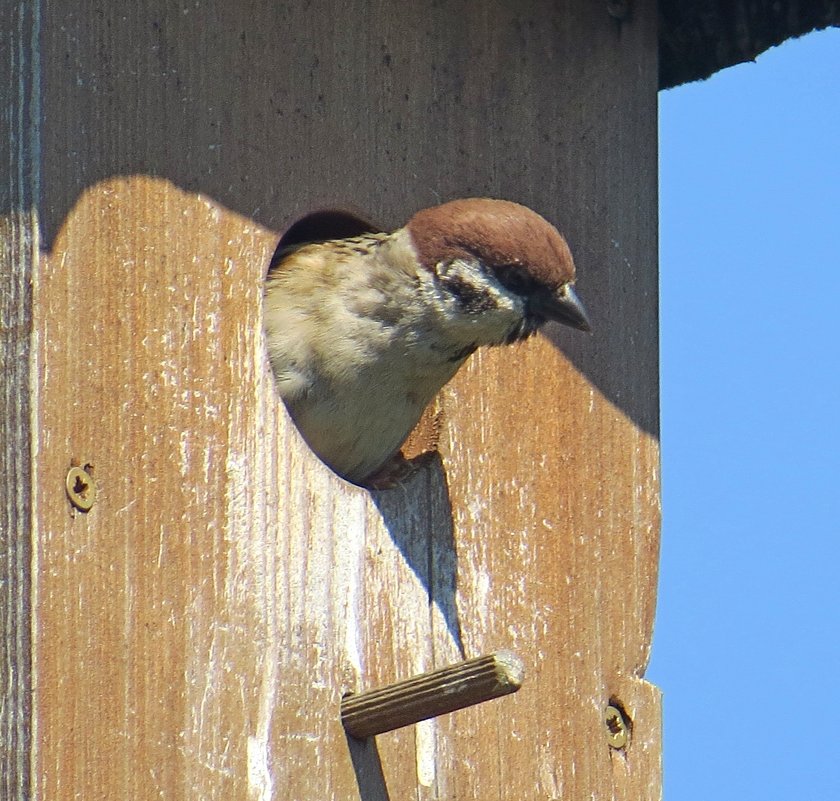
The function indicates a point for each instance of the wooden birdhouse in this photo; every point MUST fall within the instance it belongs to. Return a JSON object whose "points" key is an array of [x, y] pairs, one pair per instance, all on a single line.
{"points": [[188, 593]]}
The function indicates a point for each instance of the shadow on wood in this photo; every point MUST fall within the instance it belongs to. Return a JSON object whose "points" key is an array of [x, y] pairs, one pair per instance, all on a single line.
{"points": [[256, 156], [427, 545]]}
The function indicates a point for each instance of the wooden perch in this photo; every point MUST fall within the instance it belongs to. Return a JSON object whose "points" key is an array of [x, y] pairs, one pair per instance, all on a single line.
{"points": [[431, 694]]}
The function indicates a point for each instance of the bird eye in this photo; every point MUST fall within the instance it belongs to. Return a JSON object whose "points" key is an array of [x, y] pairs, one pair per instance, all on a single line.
{"points": [[513, 278]]}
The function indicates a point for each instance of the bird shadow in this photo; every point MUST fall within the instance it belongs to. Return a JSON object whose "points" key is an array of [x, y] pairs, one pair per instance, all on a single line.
{"points": [[418, 517]]}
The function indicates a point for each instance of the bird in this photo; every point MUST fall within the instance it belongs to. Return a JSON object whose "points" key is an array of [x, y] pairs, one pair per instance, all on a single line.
{"points": [[363, 331]]}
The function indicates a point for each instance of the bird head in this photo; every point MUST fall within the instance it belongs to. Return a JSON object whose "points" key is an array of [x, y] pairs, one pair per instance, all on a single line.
{"points": [[481, 250]]}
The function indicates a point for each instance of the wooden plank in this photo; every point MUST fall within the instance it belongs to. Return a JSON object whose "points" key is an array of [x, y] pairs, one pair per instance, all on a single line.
{"points": [[195, 631], [18, 253]]}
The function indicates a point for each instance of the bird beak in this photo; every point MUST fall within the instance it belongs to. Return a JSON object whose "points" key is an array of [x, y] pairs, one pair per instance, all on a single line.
{"points": [[562, 306]]}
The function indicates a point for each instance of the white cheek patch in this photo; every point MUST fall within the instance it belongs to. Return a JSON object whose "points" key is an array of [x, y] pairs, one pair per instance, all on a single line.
{"points": [[471, 308]]}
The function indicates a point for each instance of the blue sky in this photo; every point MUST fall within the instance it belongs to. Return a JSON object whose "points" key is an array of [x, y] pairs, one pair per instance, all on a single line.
{"points": [[747, 640]]}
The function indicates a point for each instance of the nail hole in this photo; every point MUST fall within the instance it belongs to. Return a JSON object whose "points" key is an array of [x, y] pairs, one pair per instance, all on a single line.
{"points": [[618, 9]]}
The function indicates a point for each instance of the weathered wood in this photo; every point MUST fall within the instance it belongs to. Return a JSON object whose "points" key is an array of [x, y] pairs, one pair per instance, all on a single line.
{"points": [[220, 555], [428, 695], [18, 255]]}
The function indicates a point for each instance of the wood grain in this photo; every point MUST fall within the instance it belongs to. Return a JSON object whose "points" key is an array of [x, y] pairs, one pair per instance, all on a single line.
{"points": [[18, 256], [431, 694], [220, 556]]}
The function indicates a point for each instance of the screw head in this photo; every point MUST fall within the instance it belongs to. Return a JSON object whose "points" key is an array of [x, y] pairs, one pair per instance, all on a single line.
{"points": [[81, 491], [617, 727]]}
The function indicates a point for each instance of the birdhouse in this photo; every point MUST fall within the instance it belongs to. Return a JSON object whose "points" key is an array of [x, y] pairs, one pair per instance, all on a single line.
{"points": [[194, 604]]}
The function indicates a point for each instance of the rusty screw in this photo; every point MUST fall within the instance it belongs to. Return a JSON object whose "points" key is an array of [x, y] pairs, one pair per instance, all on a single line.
{"points": [[80, 488], [616, 725]]}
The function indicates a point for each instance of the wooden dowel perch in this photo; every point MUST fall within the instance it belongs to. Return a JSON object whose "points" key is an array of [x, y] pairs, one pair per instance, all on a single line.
{"points": [[430, 694]]}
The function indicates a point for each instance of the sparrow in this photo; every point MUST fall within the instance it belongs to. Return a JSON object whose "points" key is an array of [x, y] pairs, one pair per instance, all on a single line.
{"points": [[362, 332]]}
